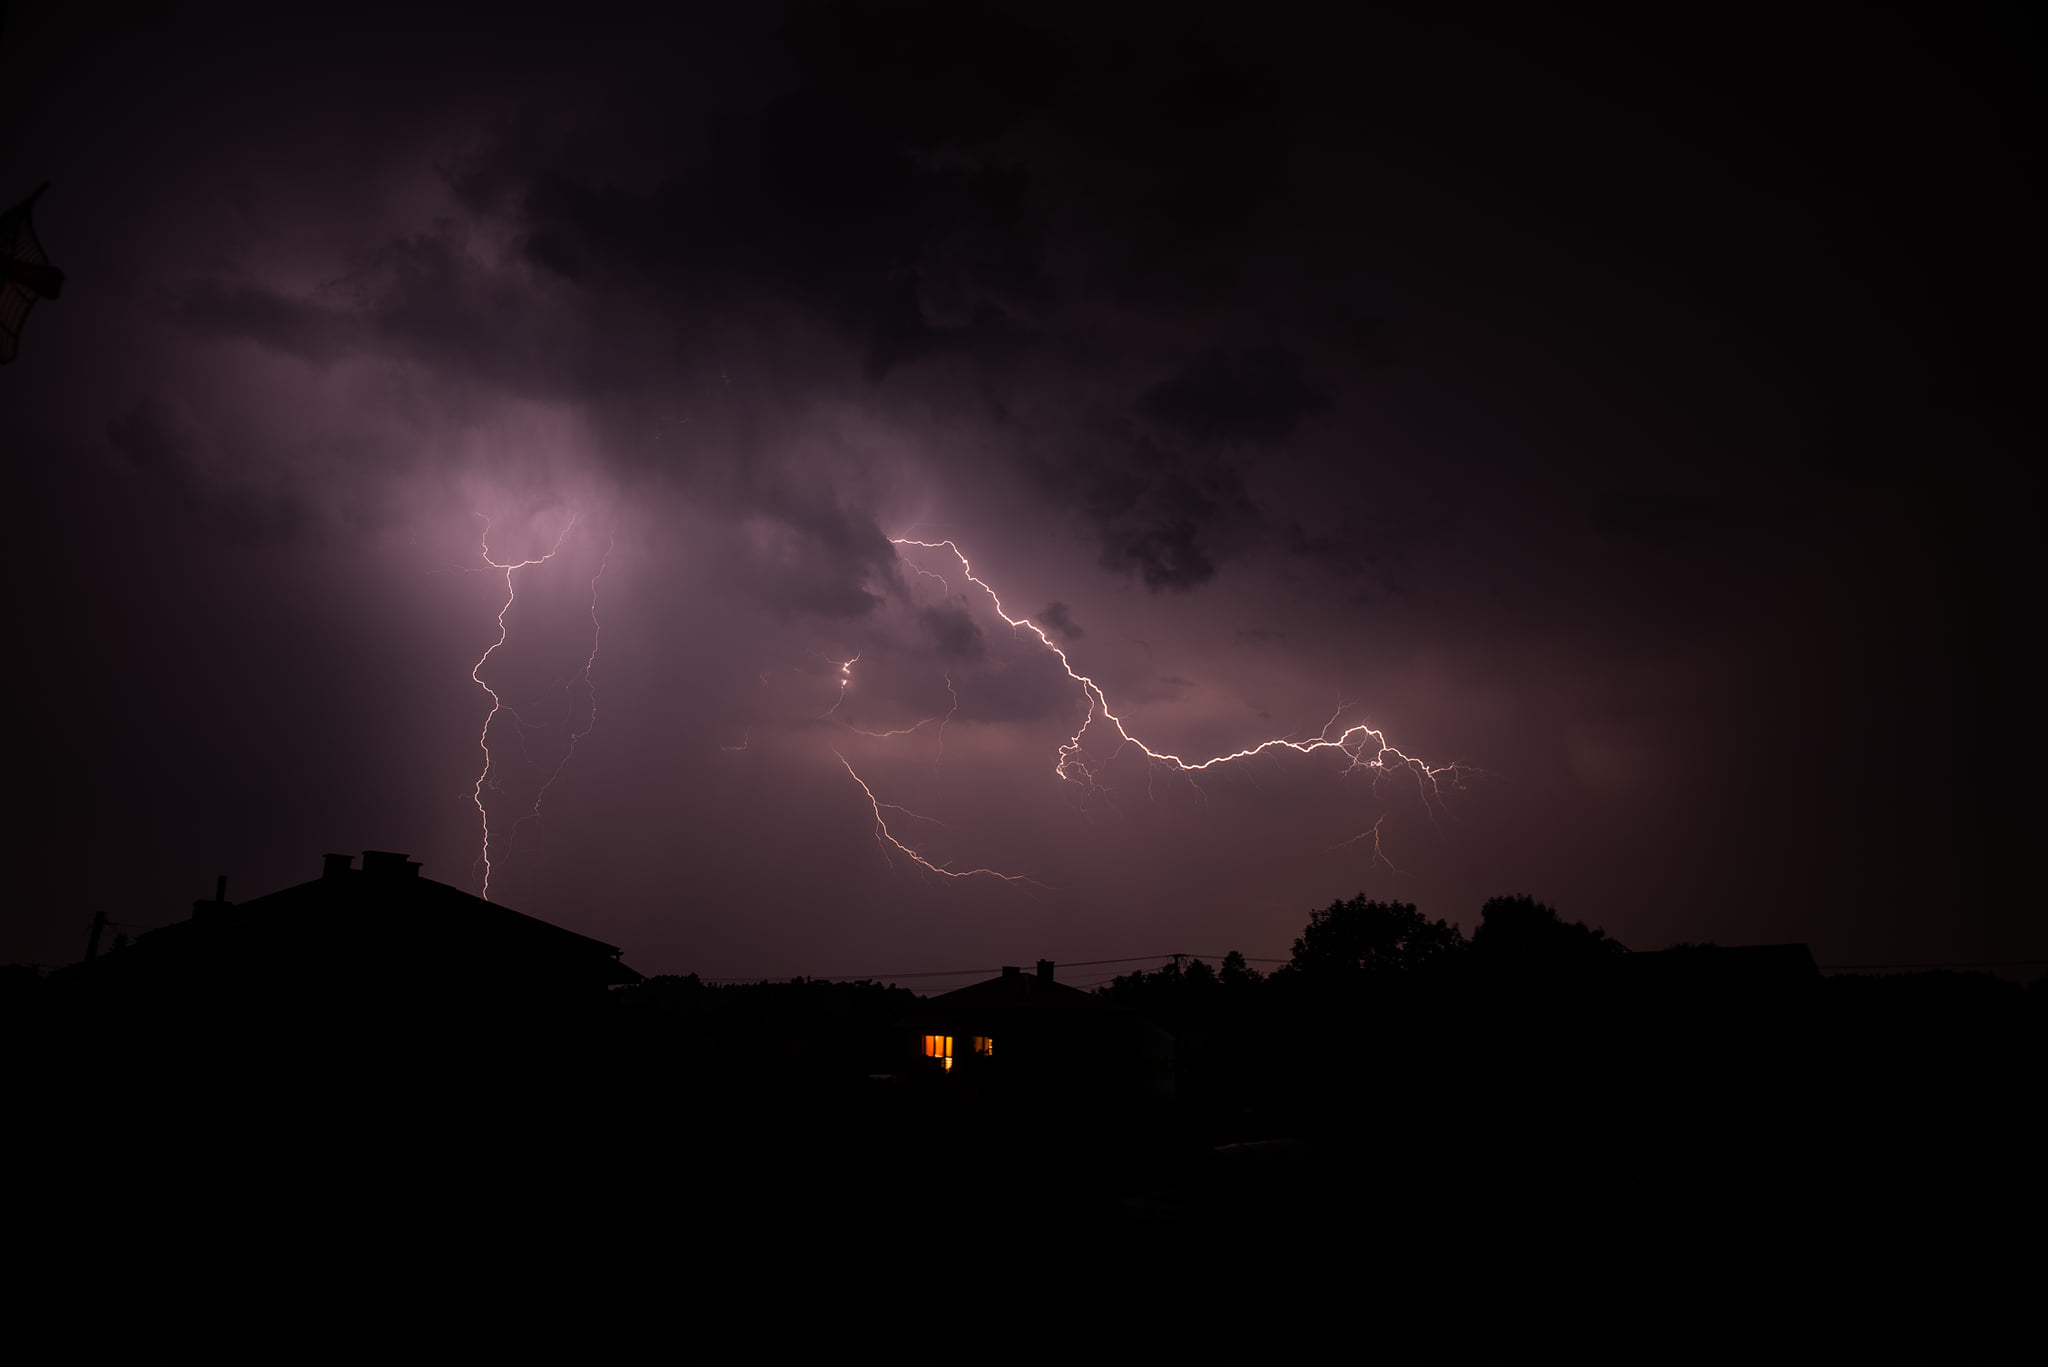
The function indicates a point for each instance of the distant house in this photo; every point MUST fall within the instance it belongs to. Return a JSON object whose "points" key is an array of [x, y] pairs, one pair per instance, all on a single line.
{"points": [[1028, 1035], [363, 980]]}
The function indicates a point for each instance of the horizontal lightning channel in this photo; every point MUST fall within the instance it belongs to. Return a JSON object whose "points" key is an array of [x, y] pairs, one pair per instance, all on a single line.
{"points": [[911, 729], [1355, 743]]}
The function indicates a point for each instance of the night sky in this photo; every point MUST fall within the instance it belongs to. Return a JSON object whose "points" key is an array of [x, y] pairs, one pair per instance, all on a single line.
{"points": [[1624, 422]]}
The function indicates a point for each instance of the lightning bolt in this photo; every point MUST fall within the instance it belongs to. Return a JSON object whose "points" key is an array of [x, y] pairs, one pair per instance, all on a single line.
{"points": [[1364, 747], [948, 717], [483, 740], [887, 839], [844, 669], [1372, 833], [914, 726], [845, 682]]}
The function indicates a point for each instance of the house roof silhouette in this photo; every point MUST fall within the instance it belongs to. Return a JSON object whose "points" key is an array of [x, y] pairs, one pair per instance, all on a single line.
{"points": [[1047, 1039], [1017, 990], [384, 907]]}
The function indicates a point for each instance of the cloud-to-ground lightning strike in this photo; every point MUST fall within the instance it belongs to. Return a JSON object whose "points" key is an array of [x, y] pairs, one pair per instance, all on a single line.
{"points": [[887, 839], [1363, 746], [483, 740]]}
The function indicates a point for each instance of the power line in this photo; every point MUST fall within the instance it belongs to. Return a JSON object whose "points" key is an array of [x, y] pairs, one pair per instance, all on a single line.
{"points": [[1095, 980], [968, 972], [851, 977], [1149, 958]]}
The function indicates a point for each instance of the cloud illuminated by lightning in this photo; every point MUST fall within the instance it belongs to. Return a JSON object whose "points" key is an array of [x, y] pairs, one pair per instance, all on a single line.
{"points": [[589, 686]]}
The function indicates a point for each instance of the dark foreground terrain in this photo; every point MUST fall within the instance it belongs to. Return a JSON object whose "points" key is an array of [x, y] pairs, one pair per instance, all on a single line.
{"points": [[1400, 1175], [883, 1222]]}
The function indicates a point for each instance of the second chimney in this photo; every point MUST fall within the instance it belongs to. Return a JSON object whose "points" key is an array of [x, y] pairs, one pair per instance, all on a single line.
{"points": [[1045, 970], [219, 902], [383, 865]]}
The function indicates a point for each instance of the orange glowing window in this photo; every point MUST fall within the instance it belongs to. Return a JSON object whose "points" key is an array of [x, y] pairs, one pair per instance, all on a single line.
{"points": [[982, 1046], [940, 1047]]}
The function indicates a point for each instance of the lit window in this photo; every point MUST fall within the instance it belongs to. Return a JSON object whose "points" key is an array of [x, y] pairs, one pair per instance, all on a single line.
{"points": [[981, 1046], [940, 1047]]}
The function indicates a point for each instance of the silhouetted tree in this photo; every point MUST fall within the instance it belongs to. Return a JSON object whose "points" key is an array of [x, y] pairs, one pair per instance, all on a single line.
{"points": [[1359, 937], [1171, 994], [1524, 928], [1238, 976]]}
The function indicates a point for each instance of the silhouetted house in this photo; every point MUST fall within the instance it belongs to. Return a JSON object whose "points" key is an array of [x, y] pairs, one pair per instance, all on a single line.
{"points": [[1694, 1040], [1028, 1035], [363, 981]]}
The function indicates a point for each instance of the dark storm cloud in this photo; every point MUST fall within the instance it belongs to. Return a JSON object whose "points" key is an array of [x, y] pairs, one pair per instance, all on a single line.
{"points": [[1165, 134], [821, 197], [1165, 551], [1259, 395], [805, 555], [423, 298], [428, 297], [1164, 519], [157, 436], [1662, 519], [1350, 561], [1022, 688], [1087, 288], [953, 630], [905, 193], [924, 74], [302, 328], [1060, 619]]}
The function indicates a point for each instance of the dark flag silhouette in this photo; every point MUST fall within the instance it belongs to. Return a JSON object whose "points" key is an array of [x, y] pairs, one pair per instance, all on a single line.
{"points": [[29, 276]]}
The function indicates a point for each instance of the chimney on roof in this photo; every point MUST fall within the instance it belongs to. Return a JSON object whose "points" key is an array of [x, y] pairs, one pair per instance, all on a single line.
{"points": [[1045, 970], [1012, 971], [335, 867], [384, 866], [219, 902]]}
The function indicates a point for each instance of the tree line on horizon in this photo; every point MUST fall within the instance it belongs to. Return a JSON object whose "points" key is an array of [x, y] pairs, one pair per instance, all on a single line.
{"points": [[1359, 940], [1360, 966]]}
